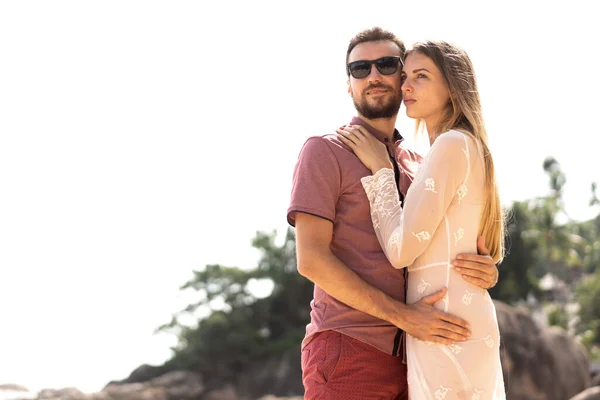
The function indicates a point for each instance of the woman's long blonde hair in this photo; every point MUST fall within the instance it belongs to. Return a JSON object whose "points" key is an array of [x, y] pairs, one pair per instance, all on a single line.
{"points": [[464, 114]]}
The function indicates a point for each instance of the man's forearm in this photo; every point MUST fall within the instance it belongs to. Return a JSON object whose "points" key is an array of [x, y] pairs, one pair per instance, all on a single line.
{"points": [[340, 282], [421, 320]]}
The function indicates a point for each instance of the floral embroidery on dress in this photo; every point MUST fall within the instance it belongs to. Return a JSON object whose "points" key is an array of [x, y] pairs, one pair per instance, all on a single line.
{"points": [[441, 393], [454, 348], [462, 191], [430, 185], [477, 394], [394, 239], [423, 235], [489, 341], [467, 297], [423, 286], [458, 235]]}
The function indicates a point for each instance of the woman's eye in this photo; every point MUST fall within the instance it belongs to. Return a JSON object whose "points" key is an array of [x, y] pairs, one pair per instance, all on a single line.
{"points": [[421, 76]]}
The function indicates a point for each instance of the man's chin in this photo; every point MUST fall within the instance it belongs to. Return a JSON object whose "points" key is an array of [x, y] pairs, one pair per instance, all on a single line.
{"points": [[383, 116], [384, 109], [380, 113]]}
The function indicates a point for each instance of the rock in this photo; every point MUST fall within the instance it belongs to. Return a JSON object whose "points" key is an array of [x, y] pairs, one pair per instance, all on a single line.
{"points": [[131, 391], [595, 373], [13, 392], [13, 387], [143, 373], [61, 394], [592, 393], [228, 392], [180, 385], [595, 380], [175, 385], [539, 363]]}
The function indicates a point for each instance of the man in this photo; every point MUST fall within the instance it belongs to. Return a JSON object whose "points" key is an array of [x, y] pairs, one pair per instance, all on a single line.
{"points": [[353, 344]]}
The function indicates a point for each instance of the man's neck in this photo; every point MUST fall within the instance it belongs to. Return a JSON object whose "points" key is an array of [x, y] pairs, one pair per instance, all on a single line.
{"points": [[385, 125]]}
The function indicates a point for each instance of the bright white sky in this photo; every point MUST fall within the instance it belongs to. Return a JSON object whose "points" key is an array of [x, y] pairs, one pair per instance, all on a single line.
{"points": [[143, 139]]}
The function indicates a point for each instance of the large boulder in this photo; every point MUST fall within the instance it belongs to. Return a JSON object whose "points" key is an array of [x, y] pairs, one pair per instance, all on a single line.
{"points": [[539, 363]]}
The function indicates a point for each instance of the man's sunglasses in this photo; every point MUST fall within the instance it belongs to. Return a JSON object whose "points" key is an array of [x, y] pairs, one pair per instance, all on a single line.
{"points": [[385, 65]]}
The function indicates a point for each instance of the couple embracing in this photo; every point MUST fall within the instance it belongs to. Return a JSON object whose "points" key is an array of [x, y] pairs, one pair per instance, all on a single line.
{"points": [[401, 249]]}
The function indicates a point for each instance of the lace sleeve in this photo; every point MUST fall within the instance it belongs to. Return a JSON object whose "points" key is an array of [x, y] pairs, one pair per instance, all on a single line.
{"points": [[404, 234], [386, 208]]}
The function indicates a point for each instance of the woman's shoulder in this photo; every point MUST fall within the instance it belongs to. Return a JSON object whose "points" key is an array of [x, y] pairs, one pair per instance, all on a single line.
{"points": [[455, 135], [452, 139]]}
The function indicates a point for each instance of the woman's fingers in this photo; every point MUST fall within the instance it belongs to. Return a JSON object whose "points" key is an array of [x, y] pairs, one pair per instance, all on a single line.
{"points": [[362, 131], [358, 131], [347, 137]]}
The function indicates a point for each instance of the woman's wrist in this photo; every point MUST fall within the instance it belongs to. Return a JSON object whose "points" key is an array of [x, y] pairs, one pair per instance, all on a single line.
{"points": [[379, 166]]}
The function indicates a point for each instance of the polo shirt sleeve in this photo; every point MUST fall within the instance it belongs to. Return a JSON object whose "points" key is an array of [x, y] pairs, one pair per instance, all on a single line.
{"points": [[316, 181], [404, 233]]}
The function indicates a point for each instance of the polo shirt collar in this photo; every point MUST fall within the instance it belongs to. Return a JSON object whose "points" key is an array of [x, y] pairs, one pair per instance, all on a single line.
{"points": [[382, 137]]}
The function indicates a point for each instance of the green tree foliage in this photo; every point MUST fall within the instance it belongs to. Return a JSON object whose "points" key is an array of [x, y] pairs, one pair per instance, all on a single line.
{"points": [[242, 328], [542, 239], [587, 294], [516, 279]]}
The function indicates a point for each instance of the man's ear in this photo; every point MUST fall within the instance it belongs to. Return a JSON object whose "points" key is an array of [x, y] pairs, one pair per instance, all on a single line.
{"points": [[349, 87]]}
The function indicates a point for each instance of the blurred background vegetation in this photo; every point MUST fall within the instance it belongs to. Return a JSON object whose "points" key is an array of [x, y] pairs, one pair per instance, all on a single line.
{"points": [[551, 268]]}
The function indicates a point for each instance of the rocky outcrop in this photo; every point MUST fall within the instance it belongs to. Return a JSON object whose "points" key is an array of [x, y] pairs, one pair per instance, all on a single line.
{"points": [[539, 363], [176, 385], [12, 387], [13, 391], [143, 373]]}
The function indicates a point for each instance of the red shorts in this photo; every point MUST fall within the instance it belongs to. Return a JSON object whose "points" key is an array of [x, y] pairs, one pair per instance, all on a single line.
{"points": [[338, 367]]}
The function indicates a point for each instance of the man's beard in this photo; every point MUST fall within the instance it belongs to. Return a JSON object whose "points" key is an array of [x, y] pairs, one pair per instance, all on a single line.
{"points": [[386, 110]]}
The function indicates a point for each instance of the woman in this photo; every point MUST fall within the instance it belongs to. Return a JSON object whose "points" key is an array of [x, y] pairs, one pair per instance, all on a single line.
{"points": [[452, 201]]}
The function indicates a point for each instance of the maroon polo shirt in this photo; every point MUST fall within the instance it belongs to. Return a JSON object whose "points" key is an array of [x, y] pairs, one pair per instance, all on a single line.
{"points": [[326, 183]]}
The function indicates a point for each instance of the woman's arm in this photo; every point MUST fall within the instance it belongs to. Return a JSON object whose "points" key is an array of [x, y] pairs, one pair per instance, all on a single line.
{"points": [[405, 233]]}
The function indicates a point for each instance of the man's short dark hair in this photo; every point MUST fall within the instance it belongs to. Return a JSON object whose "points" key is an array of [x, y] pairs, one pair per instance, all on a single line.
{"points": [[373, 35]]}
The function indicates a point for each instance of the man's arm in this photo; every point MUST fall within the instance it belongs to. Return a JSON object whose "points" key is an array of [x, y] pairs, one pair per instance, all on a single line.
{"points": [[317, 263]]}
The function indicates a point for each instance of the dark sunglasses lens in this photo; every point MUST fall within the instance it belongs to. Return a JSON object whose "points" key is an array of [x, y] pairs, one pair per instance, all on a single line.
{"points": [[387, 65], [359, 69]]}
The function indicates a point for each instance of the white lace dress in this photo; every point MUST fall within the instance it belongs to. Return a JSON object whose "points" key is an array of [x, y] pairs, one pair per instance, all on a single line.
{"points": [[440, 219]]}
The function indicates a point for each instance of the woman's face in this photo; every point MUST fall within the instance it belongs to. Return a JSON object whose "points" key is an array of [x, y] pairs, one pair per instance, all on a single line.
{"points": [[424, 90]]}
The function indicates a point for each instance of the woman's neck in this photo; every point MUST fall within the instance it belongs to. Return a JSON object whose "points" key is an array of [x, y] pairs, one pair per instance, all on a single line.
{"points": [[432, 131]]}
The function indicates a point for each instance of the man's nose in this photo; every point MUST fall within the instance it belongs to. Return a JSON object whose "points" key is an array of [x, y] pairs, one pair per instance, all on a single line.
{"points": [[374, 75]]}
